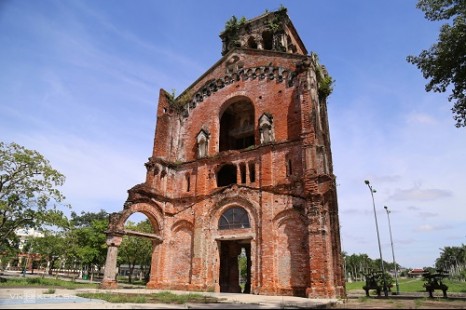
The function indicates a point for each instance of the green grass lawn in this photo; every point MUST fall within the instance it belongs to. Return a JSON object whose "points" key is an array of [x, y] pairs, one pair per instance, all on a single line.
{"points": [[162, 297], [41, 282], [413, 285]]}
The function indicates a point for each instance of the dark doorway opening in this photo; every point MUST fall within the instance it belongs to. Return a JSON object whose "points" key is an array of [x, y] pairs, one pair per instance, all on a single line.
{"points": [[235, 266]]}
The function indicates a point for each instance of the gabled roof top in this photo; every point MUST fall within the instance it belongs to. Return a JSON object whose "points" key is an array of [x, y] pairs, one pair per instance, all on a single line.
{"points": [[270, 31]]}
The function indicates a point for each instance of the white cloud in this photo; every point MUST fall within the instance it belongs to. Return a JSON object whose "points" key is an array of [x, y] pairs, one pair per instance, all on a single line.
{"points": [[417, 194], [421, 118], [428, 214], [431, 228], [96, 171]]}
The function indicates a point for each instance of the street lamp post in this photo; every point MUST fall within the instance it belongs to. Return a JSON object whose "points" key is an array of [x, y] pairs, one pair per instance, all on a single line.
{"points": [[393, 252], [385, 291]]}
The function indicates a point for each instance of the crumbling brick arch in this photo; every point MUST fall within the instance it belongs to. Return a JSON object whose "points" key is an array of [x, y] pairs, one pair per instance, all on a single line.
{"points": [[152, 210], [116, 231], [286, 215], [291, 252]]}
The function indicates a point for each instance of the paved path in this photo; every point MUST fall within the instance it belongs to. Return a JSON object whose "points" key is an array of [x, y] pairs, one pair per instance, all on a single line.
{"points": [[34, 298]]}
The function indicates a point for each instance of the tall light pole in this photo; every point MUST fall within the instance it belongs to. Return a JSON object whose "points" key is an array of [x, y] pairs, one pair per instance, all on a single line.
{"points": [[385, 291], [393, 252]]}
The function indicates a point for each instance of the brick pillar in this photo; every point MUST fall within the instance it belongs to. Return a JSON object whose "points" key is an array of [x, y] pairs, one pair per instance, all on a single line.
{"points": [[155, 272], [319, 257], [109, 281]]}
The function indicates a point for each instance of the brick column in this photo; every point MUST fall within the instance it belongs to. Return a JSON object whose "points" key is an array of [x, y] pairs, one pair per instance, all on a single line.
{"points": [[155, 272], [109, 281]]}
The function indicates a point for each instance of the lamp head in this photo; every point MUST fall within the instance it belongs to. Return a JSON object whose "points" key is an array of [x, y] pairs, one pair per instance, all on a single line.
{"points": [[367, 182], [385, 207]]}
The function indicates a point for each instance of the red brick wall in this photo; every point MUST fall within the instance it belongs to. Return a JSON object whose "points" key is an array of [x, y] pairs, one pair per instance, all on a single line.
{"points": [[294, 233]]}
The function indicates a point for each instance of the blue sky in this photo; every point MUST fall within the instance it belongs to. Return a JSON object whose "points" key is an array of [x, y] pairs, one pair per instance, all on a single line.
{"points": [[79, 82]]}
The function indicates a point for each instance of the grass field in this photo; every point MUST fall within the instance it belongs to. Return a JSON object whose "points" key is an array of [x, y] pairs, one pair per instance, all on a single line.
{"points": [[162, 297], [413, 285], [41, 282], [406, 285]]}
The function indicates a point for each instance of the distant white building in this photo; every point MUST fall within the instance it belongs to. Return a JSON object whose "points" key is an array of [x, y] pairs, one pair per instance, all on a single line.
{"points": [[24, 234], [22, 258]]}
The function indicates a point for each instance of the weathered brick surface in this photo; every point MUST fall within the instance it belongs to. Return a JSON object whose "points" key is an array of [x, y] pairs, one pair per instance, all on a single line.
{"points": [[287, 186]]}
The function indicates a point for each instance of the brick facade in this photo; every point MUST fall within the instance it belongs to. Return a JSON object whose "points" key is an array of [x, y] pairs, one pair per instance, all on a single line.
{"points": [[242, 164]]}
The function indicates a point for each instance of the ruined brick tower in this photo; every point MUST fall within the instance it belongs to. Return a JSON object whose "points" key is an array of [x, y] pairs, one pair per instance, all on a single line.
{"points": [[242, 167]]}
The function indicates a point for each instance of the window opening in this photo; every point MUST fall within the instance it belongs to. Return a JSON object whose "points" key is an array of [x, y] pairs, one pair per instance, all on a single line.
{"points": [[188, 182], [242, 168], [234, 218], [226, 175], [237, 127], [252, 43], [267, 38], [252, 172], [289, 168]]}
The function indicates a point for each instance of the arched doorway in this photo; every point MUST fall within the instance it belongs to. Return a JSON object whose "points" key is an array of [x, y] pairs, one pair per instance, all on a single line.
{"points": [[235, 255]]}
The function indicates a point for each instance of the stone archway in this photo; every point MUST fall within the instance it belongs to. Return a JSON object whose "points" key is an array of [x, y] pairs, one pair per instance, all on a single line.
{"points": [[115, 234], [234, 223]]}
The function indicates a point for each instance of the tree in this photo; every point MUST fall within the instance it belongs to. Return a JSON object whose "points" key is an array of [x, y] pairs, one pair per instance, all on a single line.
{"points": [[445, 62], [453, 260], [51, 247], [87, 238], [358, 265], [136, 250], [29, 197]]}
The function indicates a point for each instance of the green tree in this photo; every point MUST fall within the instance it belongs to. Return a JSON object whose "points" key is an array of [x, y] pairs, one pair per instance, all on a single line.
{"points": [[453, 260], [29, 197], [51, 247], [445, 62], [86, 239], [136, 250], [86, 218], [358, 265]]}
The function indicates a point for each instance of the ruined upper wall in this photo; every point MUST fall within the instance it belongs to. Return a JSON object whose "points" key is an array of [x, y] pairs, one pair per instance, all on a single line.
{"points": [[272, 31]]}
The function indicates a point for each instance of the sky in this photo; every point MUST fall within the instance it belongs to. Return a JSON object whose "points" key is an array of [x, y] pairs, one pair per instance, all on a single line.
{"points": [[79, 83]]}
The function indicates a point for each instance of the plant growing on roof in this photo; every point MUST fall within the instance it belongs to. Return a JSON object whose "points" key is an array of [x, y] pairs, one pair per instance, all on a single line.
{"points": [[324, 81], [178, 103]]}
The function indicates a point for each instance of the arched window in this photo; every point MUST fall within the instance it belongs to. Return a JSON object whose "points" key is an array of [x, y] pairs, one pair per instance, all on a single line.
{"points": [[237, 126], [252, 43], [267, 38], [234, 218]]}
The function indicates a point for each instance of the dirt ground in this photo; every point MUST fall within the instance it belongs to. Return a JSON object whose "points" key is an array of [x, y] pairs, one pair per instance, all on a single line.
{"points": [[419, 301]]}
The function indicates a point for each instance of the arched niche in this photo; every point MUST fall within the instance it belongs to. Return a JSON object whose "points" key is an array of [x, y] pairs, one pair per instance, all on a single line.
{"points": [[266, 128], [202, 141], [237, 125]]}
